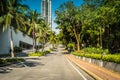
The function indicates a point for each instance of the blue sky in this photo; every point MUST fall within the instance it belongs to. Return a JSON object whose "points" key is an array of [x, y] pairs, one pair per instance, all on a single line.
{"points": [[36, 5]]}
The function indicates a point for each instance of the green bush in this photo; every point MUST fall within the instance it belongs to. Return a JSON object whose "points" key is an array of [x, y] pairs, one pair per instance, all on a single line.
{"points": [[71, 45], [10, 61], [95, 50], [14, 60], [46, 52], [2, 61], [36, 54], [51, 49], [17, 49], [107, 57], [112, 58]]}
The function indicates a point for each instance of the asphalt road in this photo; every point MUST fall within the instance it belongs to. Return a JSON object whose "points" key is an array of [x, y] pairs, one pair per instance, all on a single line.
{"points": [[54, 66]]}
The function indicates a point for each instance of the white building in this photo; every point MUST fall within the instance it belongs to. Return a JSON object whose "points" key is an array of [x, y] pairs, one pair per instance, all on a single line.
{"points": [[18, 40]]}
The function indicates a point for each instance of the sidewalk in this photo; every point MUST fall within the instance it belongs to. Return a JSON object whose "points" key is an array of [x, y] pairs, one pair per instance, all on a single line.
{"points": [[99, 73]]}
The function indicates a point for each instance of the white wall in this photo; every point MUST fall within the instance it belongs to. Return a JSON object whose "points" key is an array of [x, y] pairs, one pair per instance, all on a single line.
{"points": [[4, 41], [19, 37]]}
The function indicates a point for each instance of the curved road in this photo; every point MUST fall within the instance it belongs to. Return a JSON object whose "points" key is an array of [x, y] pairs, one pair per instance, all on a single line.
{"points": [[54, 66]]}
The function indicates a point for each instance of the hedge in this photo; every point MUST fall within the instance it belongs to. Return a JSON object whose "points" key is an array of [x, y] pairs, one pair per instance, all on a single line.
{"points": [[107, 57], [39, 53]]}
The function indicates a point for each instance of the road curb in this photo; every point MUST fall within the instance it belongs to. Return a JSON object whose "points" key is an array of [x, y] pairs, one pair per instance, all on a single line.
{"points": [[86, 70]]}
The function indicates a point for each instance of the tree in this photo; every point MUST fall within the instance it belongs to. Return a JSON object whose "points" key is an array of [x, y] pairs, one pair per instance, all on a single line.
{"points": [[53, 38], [12, 13], [43, 32], [34, 21], [69, 18]]}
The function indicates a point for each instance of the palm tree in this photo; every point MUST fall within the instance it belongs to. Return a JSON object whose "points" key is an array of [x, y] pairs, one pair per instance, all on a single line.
{"points": [[43, 32], [13, 18], [53, 38], [34, 17]]}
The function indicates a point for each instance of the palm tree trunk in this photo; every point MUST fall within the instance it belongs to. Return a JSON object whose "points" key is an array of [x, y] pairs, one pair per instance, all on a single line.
{"points": [[33, 33], [11, 43]]}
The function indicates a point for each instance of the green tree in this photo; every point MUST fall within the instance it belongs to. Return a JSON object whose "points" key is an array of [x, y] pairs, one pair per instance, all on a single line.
{"points": [[43, 32], [13, 17], [34, 21], [69, 19]]}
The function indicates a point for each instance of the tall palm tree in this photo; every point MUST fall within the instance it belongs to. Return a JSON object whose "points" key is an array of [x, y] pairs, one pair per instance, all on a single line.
{"points": [[34, 17], [43, 32], [13, 18]]}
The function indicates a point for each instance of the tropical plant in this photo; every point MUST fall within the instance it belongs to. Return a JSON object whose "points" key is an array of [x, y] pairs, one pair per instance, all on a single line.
{"points": [[69, 19], [12, 16]]}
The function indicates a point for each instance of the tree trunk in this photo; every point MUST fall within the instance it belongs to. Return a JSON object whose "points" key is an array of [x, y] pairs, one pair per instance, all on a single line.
{"points": [[100, 38], [33, 33], [11, 43], [77, 36], [43, 45], [33, 44], [78, 44]]}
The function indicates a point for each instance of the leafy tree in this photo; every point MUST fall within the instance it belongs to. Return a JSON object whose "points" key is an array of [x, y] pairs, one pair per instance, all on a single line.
{"points": [[69, 19], [12, 16], [34, 21], [43, 32]]}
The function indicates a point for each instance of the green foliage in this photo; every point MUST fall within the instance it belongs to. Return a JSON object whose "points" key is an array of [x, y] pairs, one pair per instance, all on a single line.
{"points": [[105, 57], [17, 49], [46, 52], [112, 58], [95, 50], [51, 49], [71, 45], [36, 54], [14, 60], [7, 61], [40, 53]]}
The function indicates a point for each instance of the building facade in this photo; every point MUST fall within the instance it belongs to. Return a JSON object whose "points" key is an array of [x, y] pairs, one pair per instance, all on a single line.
{"points": [[46, 6], [19, 40]]}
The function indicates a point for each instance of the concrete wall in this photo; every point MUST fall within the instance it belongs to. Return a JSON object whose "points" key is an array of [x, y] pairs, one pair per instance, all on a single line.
{"points": [[17, 37], [109, 65], [4, 41]]}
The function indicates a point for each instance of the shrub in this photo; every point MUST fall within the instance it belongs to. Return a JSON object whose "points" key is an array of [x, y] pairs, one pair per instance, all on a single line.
{"points": [[2, 61], [17, 49], [108, 57], [36, 54], [112, 58], [95, 50], [7, 61], [46, 52], [71, 45], [14, 60]]}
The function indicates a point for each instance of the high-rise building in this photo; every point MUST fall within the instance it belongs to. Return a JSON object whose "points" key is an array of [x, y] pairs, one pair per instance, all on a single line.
{"points": [[46, 6]]}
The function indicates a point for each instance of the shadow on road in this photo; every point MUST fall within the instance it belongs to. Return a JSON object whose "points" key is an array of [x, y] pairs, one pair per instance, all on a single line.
{"points": [[5, 70], [26, 64]]}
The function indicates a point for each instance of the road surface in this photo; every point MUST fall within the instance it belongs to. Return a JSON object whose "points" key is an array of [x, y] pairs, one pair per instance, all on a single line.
{"points": [[54, 66]]}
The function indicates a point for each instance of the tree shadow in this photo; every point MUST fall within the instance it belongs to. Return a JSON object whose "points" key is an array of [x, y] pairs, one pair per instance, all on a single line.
{"points": [[26, 64], [5, 70]]}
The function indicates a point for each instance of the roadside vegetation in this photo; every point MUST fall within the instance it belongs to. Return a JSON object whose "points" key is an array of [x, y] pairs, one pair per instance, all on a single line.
{"points": [[92, 29], [8, 61], [95, 23], [18, 17], [40, 53], [99, 54]]}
